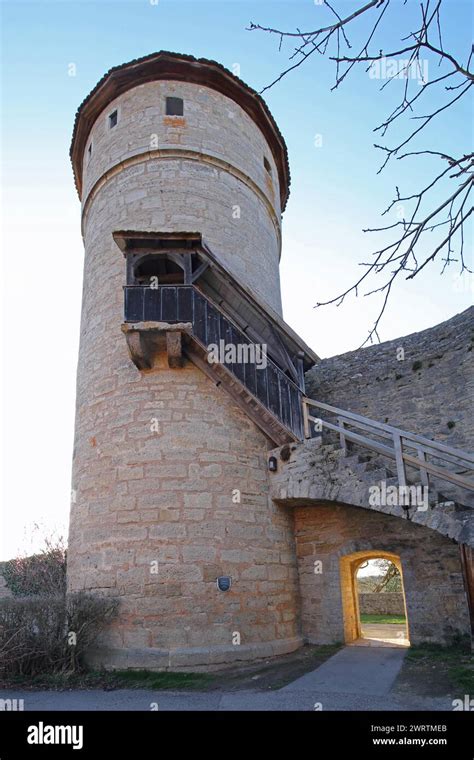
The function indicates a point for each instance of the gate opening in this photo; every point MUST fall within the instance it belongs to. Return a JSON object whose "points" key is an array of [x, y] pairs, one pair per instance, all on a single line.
{"points": [[373, 596]]}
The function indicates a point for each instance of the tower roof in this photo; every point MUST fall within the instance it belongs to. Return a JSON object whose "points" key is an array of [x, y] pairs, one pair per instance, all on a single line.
{"points": [[179, 67]]}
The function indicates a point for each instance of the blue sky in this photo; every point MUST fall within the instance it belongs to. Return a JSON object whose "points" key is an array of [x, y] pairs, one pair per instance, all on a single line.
{"points": [[335, 193]]}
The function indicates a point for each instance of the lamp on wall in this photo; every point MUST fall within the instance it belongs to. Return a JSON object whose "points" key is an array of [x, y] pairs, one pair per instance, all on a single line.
{"points": [[272, 464]]}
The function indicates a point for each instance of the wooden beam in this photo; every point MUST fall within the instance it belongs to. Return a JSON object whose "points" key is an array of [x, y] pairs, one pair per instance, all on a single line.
{"points": [[342, 437], [306, 429], [130, 269], [199, 271], [300, 369], [188, 268], [285, 358], [177, 258], [467, 562]]}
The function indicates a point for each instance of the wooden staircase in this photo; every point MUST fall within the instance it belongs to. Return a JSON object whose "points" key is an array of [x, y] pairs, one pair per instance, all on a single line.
{"points": [[417, 459]]}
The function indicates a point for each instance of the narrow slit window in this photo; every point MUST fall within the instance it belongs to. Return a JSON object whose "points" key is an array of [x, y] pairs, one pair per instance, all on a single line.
{"points": [[113, 118], [89, 151], [174, 106], [266, 164]]}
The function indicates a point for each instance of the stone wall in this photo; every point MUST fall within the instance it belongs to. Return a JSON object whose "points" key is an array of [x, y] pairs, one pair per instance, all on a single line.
{"points": [[386, 603], [437, 609], [156, 521], [430, 392]]}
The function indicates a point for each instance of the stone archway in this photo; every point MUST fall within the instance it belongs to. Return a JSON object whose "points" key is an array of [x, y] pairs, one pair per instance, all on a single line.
{"points": [[329, 536], [348, 567]]}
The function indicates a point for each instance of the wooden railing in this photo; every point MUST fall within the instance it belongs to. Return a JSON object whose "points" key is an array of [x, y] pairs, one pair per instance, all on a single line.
{"points": [[405, 448], [186, 303]]}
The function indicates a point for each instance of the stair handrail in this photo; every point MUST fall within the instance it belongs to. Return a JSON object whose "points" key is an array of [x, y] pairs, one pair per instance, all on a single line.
{"points": [[400, 439]]}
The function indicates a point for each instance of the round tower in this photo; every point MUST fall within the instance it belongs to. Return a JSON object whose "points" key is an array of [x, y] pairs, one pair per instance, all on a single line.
{"points": [[182, 174]]}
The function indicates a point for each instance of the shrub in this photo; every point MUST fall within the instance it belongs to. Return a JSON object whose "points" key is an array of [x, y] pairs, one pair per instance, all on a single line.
{"points": [[42, 573], [87, 616], [51, 633]]}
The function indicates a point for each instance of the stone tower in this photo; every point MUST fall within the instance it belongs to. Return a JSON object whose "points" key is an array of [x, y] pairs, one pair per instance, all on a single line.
{"points": [[183, 174]]}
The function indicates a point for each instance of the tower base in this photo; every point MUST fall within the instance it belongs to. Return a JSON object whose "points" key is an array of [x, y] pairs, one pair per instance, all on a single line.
{"points": [[198, 659]]}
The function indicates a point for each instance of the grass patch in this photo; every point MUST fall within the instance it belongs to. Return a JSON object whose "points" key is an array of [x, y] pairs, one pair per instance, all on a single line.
{"points": [[109, 680], [437, 669], [392, 619]]}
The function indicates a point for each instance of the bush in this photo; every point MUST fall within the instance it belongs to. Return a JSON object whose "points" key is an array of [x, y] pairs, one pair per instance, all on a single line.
{"points": [[87, 616], [43, 573], [51, 633]]}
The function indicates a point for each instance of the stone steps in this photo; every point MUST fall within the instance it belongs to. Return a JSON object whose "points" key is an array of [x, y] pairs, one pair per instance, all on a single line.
{"points": [[372, 469]]}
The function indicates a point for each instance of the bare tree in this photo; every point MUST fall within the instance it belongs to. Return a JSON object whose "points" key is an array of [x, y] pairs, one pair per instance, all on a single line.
{"points": [[441, 208], [390, 579]]}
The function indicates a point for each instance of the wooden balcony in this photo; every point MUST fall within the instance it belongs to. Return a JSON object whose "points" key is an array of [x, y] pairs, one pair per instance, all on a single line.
{"points": [[181, 320]]}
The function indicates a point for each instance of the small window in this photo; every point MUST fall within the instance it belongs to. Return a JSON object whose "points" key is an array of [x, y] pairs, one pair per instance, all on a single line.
{"points": [[266, 164], [89, 150], [113, 118], [174, 107]]}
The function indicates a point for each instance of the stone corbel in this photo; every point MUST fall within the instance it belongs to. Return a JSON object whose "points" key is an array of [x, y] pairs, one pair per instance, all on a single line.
{"points": [[147, 340]]}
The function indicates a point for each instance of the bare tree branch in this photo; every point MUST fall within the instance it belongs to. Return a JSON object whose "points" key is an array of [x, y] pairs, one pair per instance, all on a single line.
{"points": [[434, 227]]}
